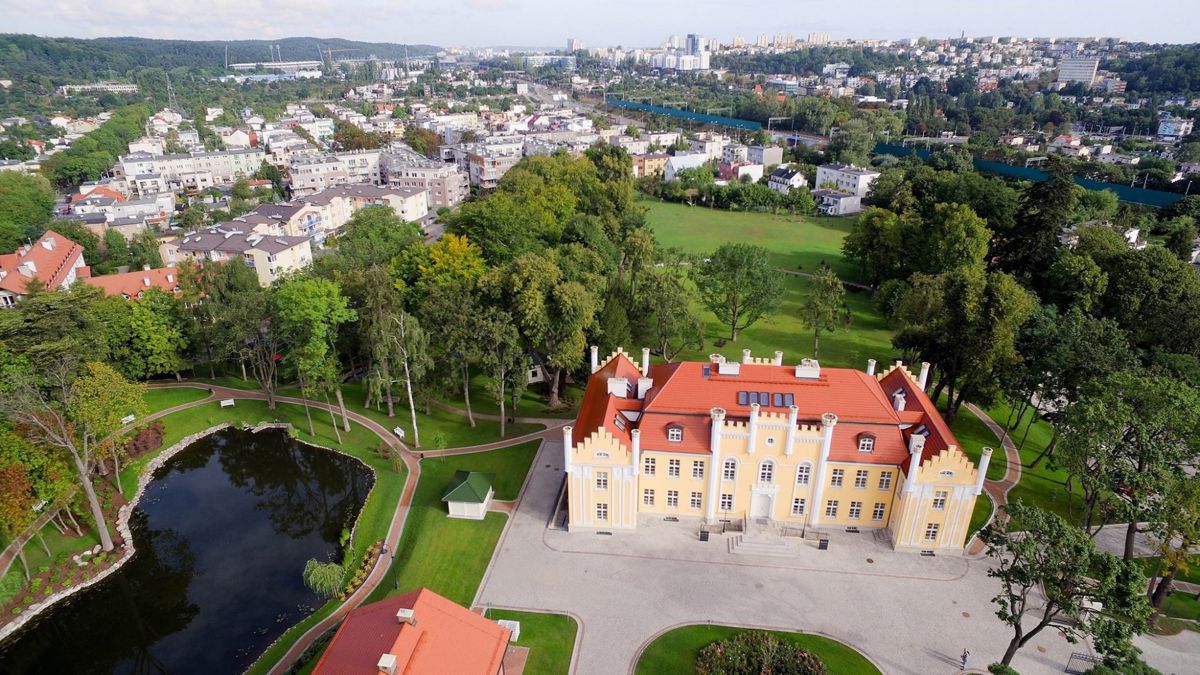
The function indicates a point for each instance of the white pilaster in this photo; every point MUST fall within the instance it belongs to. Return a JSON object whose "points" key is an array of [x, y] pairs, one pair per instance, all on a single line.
{"points": [[916, 445], [635, 437], [753, 428], [870, 366], [828, 422], [595, 358], [985, 458], [646, 361], [567, 447], [790, 444], [714, 475], [924, 378]]}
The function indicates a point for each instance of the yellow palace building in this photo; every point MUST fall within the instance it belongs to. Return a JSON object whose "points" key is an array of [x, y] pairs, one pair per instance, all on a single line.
{"points": [[793, 446]]}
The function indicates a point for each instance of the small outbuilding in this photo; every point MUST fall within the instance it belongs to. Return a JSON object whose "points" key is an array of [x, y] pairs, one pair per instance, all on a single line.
{"points": [[469, 494]]}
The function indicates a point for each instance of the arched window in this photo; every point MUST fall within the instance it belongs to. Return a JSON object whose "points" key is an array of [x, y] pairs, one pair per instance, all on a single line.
{"points": [[803, 474], [766, 472], [729, 471], [866, 443], [674, 434]]}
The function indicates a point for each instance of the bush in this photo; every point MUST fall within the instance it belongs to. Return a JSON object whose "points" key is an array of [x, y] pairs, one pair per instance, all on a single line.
{"points": [[756, 652], [1001, 669], [1136, 667]]}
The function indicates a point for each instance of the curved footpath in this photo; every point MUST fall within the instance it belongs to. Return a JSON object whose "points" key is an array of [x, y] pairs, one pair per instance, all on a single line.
{"points": [[395, 529], [997, 490]]}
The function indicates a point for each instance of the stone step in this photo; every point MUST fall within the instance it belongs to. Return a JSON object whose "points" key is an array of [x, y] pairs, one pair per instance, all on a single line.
{"points": [[740, 545]]}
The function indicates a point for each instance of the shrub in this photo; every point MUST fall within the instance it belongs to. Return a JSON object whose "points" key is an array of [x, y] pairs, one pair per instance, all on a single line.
{"points": [[756, 652], [1135, 667], [1001, 669]]}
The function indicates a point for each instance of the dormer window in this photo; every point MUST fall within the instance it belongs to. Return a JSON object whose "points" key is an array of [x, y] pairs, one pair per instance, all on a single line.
{"points": [[866, 443], [675, 434]]}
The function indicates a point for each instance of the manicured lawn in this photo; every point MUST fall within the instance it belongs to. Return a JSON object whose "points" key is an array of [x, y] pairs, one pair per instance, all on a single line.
{"points": [[676, 650], [549, 637], [796, 242], [1190, 575], [231, 381], [1181, 606], [974, 436], [533, 400], [867, 337], [979, 516], [1043, 486], [161, 399], [455, 429], [449, 555], [359, 442]]}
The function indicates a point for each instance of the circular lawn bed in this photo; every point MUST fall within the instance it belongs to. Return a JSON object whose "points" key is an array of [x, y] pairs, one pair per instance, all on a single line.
{"points": [[676, 650]]}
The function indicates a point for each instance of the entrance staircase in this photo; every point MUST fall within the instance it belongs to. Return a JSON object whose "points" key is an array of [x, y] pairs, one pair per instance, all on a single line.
{"points": [[761, 537]]}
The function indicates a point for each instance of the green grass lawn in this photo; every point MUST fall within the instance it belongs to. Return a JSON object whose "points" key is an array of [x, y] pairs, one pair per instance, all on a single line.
{"points": [[974, 436], [676, 651], [796, 242], [449, 555], [1044, 485], [533, 400], [1181, 606], [980, 515], [549, 637], [1190, 575], [161, 399], [455, 429], [359, 442], [230, 381]]}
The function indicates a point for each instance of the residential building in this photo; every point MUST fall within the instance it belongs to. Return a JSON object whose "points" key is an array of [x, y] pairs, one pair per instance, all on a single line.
{"points": [[418, 632], [709, 143], [797, 446], [785, 178], [735, 152], [133, 285], [836, 202], [53, 260], [445, 184], [677, 163], [269, 255], [650, 164], [1173, 127], [105, 87], [739, 171], [768, 155], [1071, 70], [224, 167], [311, 173], [486, 165], [846, 178]]}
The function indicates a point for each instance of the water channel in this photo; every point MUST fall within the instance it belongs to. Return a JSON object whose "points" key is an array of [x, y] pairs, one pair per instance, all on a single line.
{"points": [[222, 534]]}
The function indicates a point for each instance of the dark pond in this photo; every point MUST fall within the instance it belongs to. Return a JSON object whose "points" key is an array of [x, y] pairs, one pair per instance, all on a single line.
{"points": [[222, 535]]}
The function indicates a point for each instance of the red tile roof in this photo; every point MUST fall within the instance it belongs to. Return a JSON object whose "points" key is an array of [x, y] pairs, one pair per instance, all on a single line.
{"points": [[683, 395], [100, 191], [131, 284], [53, 256], [445, 639]]}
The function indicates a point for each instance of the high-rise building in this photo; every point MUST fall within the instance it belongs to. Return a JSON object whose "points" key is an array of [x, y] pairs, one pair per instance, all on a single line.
{"points": [[783, 40], [818, 38], [673, 42], [695, 44], [762, 40], [739, 41], [714, 44], [1078, 70], [574, 44]]}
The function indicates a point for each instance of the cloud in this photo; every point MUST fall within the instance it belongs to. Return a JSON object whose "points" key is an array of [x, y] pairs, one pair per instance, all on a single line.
{"points": [[490, 5]]}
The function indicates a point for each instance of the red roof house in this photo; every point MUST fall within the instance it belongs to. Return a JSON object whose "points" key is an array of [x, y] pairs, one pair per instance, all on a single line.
{"points": [[53, 260], [132, 285]]}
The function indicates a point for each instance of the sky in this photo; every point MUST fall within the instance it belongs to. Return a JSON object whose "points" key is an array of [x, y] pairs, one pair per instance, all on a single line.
{"points": [[628, 23]]}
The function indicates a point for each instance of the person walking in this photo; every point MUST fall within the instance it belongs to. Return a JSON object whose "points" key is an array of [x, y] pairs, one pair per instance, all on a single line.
{"points": [[965, 655]]}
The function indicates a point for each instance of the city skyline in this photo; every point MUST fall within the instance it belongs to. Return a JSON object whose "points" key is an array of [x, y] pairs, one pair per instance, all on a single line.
{"points": [[494, 23]]}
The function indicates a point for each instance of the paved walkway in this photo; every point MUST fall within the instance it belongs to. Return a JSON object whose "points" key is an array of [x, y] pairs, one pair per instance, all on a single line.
{"points": [[908, 614], [997, 490]]}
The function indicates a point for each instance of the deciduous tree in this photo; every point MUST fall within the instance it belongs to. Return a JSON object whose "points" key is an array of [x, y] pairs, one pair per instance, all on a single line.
{"points": [[739, 284]]}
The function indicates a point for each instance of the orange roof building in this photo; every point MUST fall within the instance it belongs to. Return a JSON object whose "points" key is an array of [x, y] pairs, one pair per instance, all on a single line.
{"points": [[53, 260], [132, 285], [417, 633], [757, 441]]}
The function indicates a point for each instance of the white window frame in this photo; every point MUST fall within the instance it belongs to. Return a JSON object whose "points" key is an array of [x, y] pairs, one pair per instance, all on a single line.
{"points": [[798, 506], [673, 468], [726, 502], [697, 500], [601, 511], [601, 480], [649, 466], [675, 434], [729, 469], [804, 474], [931, 532], [831, 508], [860, 478], [885, 480], [697, 469], [766, 471], [866, 444], [837, 477], [672, 499], [878, 511], [939, 500], [648, 497], [855, 510]]}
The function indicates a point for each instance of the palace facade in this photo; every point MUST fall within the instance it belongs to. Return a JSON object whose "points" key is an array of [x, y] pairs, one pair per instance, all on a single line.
{"points": [[791, 446]]}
